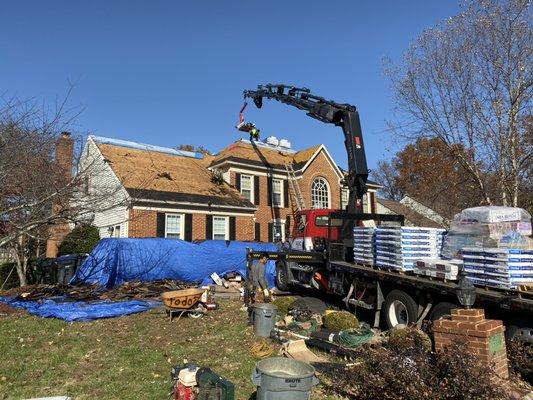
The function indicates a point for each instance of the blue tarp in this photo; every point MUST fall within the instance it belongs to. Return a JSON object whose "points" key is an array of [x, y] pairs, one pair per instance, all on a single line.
{"points": [[116, 261], [81, 310]]}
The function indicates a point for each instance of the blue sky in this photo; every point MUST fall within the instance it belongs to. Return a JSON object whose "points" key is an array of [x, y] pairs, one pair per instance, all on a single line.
{"points": [[171, 72]]}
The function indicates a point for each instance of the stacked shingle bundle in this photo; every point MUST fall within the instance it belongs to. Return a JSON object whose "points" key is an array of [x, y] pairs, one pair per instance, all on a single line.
{"points": [[363, 245], [438, 268], [399, 247], [498, 267]]}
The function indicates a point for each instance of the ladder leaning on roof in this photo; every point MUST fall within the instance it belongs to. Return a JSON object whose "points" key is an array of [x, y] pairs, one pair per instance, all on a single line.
{"points": [[298, 203]]}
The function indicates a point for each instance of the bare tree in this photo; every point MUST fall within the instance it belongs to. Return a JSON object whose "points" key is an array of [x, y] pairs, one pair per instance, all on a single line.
{"points": [[43, 180], [387, 176], [468, 81]]}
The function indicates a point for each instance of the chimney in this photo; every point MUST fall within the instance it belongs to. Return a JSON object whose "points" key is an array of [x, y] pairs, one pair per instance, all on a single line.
{"points": [[65, 153]]}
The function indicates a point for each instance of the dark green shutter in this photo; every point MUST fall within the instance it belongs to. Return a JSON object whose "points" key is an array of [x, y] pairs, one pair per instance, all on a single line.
{"points": [[256, 191], [188, 227], [269, 187], [160, 227], [257, 236], [270, 232], [208, 227], [286, 193], [232, 228], [238, 182], [287, 226]]}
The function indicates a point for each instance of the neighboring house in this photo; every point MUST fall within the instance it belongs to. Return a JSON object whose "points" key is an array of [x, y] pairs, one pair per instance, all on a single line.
{"points": [[424, 210], [413, 216], [258, 171], [241, 193]]}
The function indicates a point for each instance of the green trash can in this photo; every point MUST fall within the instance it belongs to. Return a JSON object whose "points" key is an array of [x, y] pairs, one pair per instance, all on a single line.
{"points": [[264, 317], [280, 378]]}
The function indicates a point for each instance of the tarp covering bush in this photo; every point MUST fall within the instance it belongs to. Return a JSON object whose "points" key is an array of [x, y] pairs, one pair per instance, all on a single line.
{"points": [[115, 261]]}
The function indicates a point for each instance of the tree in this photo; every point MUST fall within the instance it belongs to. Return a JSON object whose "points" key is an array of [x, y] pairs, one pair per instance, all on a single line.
{"points": [[197, 149], [468, 82], [387, 176], [43, 183], [429, 172], [81, 240]]}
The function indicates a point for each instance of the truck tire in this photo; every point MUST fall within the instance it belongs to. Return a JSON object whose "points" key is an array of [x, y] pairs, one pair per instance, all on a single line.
{"points": [[282, 277], [442, 310], [399, 309]]}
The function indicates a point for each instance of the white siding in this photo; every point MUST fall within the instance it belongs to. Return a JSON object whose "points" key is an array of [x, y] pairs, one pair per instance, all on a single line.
{"points": [[111, 207]]}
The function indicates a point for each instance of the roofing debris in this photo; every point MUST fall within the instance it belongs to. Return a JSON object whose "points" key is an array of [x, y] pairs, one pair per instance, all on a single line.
{"points": [[128, 291]]}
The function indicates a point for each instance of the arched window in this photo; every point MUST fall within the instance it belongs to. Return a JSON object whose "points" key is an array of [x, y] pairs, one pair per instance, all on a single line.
{"points": [[320, 193]]}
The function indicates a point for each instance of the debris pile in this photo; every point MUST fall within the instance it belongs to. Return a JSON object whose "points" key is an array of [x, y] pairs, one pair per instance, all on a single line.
{"points": [[127, 291]]}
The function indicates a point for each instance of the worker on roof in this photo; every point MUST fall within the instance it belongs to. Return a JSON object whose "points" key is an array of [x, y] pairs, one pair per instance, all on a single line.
{"points": [[250, 128]]}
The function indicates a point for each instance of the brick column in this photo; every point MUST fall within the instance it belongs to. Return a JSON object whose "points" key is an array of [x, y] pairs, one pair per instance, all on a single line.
{"points": [[483, 337]]}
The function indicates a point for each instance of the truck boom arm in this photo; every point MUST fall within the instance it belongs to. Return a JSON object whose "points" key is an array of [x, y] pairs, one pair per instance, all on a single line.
{"points": [[343, 115]]}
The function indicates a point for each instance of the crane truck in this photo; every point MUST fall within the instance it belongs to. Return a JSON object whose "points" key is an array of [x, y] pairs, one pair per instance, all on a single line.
{"points": [[319, 254]]}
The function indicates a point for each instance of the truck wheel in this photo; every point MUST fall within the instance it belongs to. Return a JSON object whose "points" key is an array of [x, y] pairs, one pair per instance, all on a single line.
{"points": [[282, 277], [442, 310], [399, 309]]}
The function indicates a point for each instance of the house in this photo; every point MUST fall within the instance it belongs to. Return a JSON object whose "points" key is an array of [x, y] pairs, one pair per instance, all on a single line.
{"points": [[414, 212], [241, 193], [258, 171]]}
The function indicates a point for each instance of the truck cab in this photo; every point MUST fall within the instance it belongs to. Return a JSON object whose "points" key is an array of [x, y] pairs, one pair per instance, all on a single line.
{"points": [[310, 230]]}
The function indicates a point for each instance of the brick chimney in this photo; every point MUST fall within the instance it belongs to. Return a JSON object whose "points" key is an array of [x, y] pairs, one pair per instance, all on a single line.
{"points": [[65, 153], [64, 158]]}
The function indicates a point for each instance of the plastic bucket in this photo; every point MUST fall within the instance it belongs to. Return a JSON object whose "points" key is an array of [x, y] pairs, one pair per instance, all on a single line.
{"points": [[264, 316], [280, 378]]}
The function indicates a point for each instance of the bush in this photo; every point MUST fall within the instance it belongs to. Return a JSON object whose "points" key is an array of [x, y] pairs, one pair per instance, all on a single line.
{"points": [[382, 373], [81, 240], [283, 303], [5, 270], [520, 356], [408, 340], [337, 321]]}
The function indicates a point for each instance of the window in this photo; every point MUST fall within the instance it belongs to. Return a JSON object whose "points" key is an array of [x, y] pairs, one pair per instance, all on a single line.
{"points": [[320, 193], [366, 204], [344, 198], [247, 187], [116, 233], [220, 228], [277, 192], [173, 226]]}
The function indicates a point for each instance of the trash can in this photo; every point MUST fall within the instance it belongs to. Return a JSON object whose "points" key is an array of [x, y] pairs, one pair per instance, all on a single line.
{"points": [[264, 317], [280, 378]]}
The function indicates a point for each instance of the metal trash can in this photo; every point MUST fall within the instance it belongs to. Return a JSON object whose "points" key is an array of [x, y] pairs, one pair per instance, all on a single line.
{"points": [[264, 317], [280, 378]]}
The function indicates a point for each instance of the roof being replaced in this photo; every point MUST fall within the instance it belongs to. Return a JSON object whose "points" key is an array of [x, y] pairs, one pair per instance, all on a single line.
{"points": [[264, 156], [154, 175], [410, 215]]}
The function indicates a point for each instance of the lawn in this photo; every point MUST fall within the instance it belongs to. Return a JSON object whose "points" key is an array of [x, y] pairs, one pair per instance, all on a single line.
{"points": [[128, 357]]}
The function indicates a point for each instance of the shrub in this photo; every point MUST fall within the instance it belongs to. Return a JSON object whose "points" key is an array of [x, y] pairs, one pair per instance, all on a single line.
{"points": [[382, 373], [81, 240], [520, 356], [283, 303], [408, 340], [340, 320]]}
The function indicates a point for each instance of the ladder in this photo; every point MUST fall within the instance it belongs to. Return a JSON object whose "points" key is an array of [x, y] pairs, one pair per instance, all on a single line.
{"points": [[296, 193]]}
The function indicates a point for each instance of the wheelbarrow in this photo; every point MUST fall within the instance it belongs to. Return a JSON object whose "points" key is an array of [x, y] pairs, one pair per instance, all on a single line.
{"points": [[186, 301]]}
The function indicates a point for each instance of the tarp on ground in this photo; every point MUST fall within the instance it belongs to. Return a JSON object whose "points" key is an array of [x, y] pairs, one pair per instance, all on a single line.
{"points": [[71, 311], [115, 261]]}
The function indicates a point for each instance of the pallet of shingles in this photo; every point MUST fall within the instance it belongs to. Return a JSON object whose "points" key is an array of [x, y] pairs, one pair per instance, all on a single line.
{"points": [[363, 249], [438, 268], [498, 267], [400, 247]]}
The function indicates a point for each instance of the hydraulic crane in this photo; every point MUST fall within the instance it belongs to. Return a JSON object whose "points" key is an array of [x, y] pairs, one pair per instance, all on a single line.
{"points": [[343, 115]]}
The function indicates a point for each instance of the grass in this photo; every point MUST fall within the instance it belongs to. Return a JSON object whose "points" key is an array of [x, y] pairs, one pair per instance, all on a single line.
{"points": [[128, 357]]}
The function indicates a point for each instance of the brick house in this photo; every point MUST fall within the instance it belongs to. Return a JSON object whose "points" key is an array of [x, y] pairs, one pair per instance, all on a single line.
{"points": [[241, 193]]}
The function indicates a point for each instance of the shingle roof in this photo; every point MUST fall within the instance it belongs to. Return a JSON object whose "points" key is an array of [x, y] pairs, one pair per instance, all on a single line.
{"points": [[242, 151], [410, 215], [153, 175]]}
